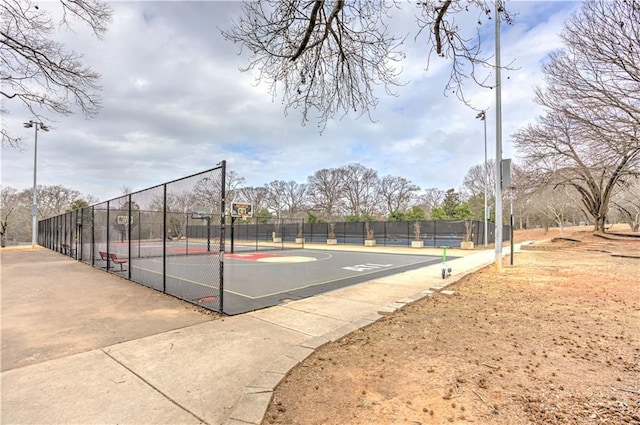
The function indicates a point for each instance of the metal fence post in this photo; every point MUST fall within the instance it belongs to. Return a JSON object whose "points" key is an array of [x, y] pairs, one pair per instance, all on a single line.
{"points": [[222, 232], [93, 237], [164, 238], [108, 233], [129, 224]]}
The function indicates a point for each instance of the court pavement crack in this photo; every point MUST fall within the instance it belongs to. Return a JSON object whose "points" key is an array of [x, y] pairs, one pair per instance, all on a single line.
{"points": [[155, 388]]}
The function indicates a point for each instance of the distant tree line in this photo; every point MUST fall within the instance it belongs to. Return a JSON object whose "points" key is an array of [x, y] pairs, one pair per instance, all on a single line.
{"points": [[353, 193], [15, 208]]}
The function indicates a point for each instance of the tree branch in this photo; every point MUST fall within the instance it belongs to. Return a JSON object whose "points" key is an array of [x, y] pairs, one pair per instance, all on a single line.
{"points": [[438, 23], [307, 35]]}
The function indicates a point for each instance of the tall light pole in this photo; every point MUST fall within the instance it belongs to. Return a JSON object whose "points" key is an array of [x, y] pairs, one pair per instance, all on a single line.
{"points": [[482, 115], [34, 207], [498, 4]]}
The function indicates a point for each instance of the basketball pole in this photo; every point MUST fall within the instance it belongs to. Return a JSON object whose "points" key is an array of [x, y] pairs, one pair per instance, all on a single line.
{"points": [[233, 220]]}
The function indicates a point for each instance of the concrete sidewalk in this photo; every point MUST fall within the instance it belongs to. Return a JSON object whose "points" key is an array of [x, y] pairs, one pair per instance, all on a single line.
{"points": [[170, 364]]}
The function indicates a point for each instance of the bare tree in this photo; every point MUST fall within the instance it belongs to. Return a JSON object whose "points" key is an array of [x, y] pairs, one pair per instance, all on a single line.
{"points": [[323, 56], [595, 79], [560, 152], [590, 136], [52, 201], [475, 183], [325, 190], [286, 199], [431, 198], [233, 181], [448, 40], [179, 206], [256, 196], [396, 194], [627, 203], [328, 57], [521, 194], [555, 204], [360, 196], [36, 70], [274, 199], [8, 205]]}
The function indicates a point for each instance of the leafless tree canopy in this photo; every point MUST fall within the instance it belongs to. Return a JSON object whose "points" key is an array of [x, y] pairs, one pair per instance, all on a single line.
{"points": [[323, 56], [286, 198], [475, 182], [256, 196], [37, 71], [8, 206], [556, 204], [360, 190], [589, 137], [431, 198], [233, 181], [396, 194], [596, 78], [325, 191], [350, 190], [446, 39], [627, 203], [15, 208], [328, 57]]}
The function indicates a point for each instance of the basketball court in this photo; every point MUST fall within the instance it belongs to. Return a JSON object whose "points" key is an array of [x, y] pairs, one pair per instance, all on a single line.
{"points": [[256, 267], [256, 280]]}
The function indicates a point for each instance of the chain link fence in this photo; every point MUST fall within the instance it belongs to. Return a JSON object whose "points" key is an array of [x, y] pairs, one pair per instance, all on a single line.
{"points": [[252, 235], [144, 237]]}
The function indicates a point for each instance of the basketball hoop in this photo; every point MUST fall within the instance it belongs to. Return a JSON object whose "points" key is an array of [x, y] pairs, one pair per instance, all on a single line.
{"points": [[124, 220], [201, 213], [241, 210]]}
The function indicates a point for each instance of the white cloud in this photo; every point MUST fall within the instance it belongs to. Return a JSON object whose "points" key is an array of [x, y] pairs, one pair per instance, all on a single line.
{"points": [[175, 103]]}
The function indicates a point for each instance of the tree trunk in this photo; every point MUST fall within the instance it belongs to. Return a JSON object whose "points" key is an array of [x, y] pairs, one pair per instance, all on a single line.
{"points": [[599, 225], [3, 235]]}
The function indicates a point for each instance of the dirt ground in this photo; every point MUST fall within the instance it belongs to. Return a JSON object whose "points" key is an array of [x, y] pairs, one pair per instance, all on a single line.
{"points": [[553, 339]]}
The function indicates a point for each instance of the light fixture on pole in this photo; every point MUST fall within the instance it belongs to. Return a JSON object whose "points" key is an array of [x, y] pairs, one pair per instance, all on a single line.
{"points": [[34, 207], [482, 115]]}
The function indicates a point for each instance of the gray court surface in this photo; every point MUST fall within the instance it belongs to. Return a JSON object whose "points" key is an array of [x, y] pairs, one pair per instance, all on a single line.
{"points": [[255, 280], [262, 279]]}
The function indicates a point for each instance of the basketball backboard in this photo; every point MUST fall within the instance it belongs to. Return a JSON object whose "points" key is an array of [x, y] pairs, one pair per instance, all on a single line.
{"points": [[124, 220], [201, 213], [241, 209]]}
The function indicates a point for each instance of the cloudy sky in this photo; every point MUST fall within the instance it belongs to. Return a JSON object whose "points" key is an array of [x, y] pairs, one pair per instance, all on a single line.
{"points": [[175, 103]]}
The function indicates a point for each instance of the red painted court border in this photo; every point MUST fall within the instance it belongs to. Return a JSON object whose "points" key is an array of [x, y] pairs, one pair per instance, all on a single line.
{"points": [[255, 256], [192, 251], [207, 299]]}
